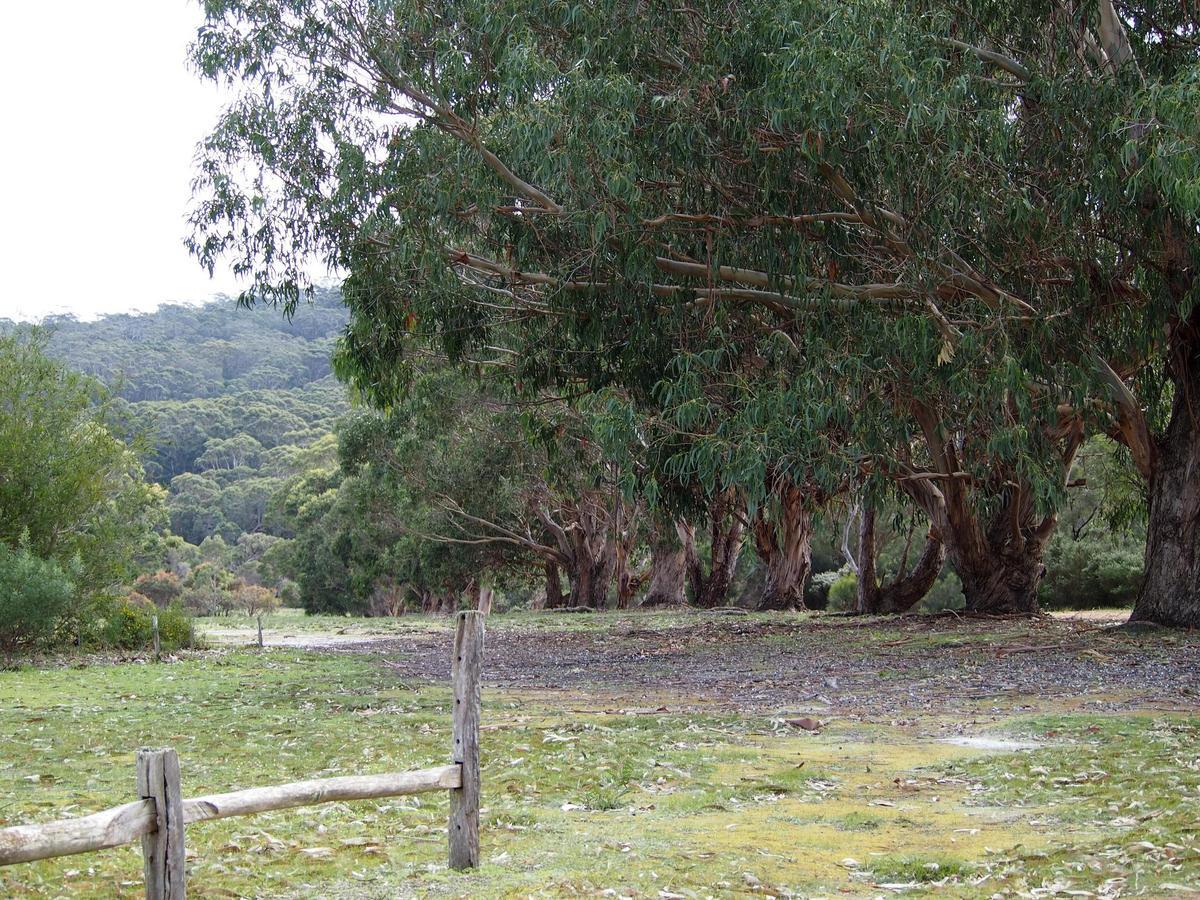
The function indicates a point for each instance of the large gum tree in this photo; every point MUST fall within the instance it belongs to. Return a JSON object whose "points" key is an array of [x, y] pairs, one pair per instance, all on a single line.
{"points": [[973, 224]]}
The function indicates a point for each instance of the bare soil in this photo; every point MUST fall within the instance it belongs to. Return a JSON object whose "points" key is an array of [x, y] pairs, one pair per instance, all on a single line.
{"points": [[862, 667]]}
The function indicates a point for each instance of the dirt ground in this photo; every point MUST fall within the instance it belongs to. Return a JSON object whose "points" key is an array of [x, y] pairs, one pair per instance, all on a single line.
{"points": [[866, 668]]}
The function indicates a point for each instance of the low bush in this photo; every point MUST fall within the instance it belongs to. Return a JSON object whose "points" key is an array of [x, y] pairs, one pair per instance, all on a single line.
{"points": [[36, 595], [125, 623], [816, 592], [946, 593], [843, 593], [1091, 572]]}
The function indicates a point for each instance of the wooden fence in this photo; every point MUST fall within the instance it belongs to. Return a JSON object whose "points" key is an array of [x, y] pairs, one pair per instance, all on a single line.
{"points": [[159, 817]]}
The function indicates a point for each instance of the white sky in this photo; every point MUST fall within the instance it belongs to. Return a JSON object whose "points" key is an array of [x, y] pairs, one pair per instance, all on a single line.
{"points": [[102, 116]]}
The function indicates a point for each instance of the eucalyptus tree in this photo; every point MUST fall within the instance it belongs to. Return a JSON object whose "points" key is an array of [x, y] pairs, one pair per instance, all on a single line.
{"points": [[892, 591], [973, 224], [499, 485]]}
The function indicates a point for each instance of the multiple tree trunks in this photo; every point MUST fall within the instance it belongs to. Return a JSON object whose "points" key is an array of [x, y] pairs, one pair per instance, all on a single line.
{"points": [[908, 587], [711, 589], [1000, 566], [1170, 593], [583, 549], [783, 539], [999, 562]]}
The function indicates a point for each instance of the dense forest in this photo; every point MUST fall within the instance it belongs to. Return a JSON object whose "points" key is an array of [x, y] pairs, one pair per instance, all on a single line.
{"points": [[228, 400]]}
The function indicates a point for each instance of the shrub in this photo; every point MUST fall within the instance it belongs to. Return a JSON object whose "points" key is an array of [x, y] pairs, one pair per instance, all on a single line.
{"points": [[946, 593], [164, 588], [35, 596], [816, 592], [127, 625], [289, 593], [1104, 570], [256, 600], [843, 593], [174, 628]]}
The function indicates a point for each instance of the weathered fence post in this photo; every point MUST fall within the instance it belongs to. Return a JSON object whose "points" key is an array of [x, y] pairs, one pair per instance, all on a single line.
{"points": [[162, 849], [260, 642], [157, 642], [464, 801]]}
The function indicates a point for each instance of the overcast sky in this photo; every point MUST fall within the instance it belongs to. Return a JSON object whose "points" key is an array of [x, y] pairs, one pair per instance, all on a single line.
{"points": [[102, 116]]}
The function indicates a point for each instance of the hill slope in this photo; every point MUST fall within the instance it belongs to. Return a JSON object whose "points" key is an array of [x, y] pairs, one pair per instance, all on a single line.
{"points": [[232, 400]]}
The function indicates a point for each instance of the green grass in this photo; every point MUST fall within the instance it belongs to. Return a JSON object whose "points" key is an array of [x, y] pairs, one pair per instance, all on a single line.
{"points": [[578, 800], [1121, 794]]}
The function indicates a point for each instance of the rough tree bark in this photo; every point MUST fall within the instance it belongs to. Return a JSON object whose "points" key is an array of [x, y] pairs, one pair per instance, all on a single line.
{"points": [[554, 593], [908, 587], [783, 540], [584, 550], [727, 533], [628, 582], [1170, 592], [998, 561], [668, 569]]}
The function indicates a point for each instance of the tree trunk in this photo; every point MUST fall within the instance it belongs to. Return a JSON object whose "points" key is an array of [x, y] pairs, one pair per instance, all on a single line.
{"points": [[1000, 566], [587, 549], [668, 566], [624, 543], [589, 582], [554, 592], [727, 527], [1170, 592], [907, 588], [784, 544]]}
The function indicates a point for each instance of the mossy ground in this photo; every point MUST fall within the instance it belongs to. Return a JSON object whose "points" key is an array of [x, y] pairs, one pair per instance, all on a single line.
{"points": [[587, 794]]}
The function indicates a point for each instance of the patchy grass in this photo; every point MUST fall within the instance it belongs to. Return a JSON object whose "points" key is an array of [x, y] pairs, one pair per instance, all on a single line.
{"points": [[586, 792], [1117, 796]]}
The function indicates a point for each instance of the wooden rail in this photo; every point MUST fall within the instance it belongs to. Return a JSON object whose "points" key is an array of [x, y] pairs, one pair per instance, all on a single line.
{"points": [[158, 819]]}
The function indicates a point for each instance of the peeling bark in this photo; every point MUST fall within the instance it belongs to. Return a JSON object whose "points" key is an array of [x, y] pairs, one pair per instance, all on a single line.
{"points": [[1170, 592], [783, 541], [999, 561], [727, 531], [554, 593], [908, 587], [668, 570]]}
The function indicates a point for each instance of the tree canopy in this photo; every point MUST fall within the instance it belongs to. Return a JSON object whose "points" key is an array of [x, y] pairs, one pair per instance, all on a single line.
{"points": [[932, 243]]}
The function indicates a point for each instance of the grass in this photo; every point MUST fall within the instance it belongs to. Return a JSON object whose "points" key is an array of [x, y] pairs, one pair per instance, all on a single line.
{"points": [[580, 798]]}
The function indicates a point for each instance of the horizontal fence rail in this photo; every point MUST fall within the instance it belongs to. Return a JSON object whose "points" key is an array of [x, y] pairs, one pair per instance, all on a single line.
{"points": [[158, 818], [126, 823]]}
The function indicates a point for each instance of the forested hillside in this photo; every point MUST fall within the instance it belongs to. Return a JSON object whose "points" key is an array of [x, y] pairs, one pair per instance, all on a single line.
{"points": [[230, 400]]}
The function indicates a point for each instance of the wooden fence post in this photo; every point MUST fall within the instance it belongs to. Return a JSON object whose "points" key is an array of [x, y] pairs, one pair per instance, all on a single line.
{"points": [[464, 801], [260, 641], [157, 642], [162, 849]]}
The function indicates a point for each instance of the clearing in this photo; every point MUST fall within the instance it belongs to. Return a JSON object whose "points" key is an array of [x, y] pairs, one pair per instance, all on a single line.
{"points": [[667, 754]]}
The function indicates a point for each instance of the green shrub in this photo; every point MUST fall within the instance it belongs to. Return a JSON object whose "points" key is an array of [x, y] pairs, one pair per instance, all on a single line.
{"points": [[35, 597], [174, 628], [946, 593], [127, 624], [1091, 572], [816, 592], [843, 593]]}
